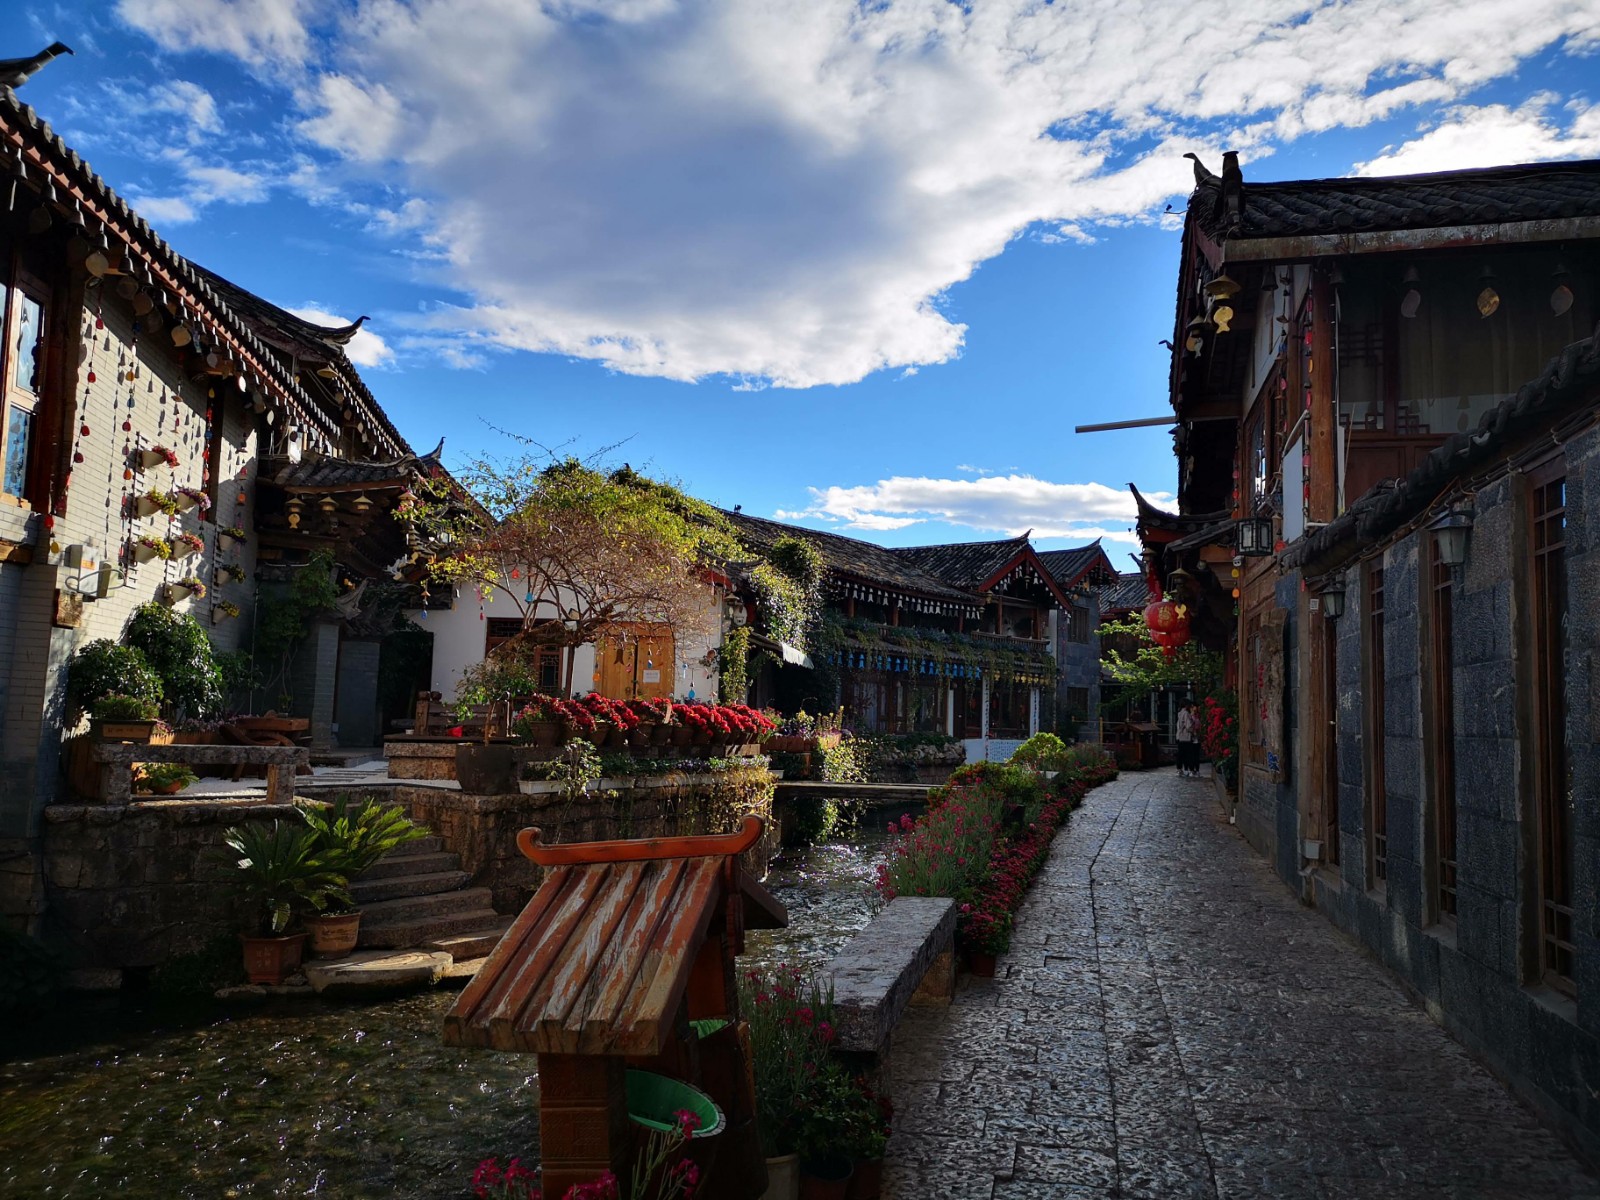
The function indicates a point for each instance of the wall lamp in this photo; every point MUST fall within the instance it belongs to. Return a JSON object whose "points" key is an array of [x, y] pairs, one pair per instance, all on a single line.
{"points": [[1450, 535], [1253, 537], [1332, 596]]}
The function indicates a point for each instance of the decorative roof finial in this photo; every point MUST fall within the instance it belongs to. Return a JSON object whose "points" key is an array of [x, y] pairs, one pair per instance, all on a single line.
{"points": [[14, 72]]}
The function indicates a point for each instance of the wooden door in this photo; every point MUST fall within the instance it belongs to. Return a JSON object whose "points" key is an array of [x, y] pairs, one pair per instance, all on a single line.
{"points": [[639, 664]]}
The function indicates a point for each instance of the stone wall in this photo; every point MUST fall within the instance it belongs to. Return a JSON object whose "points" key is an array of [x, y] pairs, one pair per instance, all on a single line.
{"points": [[1473, 973], [132, 886], [483, 829]]}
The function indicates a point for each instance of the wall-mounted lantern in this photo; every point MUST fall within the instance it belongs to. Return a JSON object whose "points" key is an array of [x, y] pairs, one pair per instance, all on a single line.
{"points": [[1450, 535], [1254, 537], [1332, 597]]}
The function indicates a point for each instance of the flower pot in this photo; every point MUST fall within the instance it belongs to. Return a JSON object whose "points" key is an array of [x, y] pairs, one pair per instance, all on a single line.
{"points": [[783, 1178], [333, 935], [219, 615], [151, 458], [176, 593], [226, 541], [660, 735], [682, 735], [184, 503], [143, 553], [146, 507], [543, 733], [867, 1181], [598, 735], [168, 789], [825, 1178], [272, 959], [486, 770], [982, 963], [184, 550]]}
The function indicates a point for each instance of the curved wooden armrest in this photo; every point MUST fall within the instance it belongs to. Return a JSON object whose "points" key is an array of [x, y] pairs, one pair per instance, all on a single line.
{"points": [[639, 849]]}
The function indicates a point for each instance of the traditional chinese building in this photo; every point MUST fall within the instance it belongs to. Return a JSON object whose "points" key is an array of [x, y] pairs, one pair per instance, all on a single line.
{"points": [[1387, 398]]}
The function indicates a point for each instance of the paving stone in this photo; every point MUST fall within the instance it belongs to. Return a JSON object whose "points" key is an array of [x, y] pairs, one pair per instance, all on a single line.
{"points": [[1172, 1023]]}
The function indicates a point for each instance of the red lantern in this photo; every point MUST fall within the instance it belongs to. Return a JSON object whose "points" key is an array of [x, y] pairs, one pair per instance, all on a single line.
{"points": [[1168, 622]]}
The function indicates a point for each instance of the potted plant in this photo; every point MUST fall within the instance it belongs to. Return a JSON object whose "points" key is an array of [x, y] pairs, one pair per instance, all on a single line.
{"points": [[164, 779], [186, 544], [188, 497], [147, 548], [156, 456], [227, 573], [230, 536], [188, 586], [539, 722], [351, 837], [155, 501], [790, 1027], [223, 610], [869, 1141], [120, 718], [280, 873]]}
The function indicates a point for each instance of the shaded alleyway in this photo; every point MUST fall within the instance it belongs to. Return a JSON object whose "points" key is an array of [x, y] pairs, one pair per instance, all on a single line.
{"points": [[1172, 1023]]}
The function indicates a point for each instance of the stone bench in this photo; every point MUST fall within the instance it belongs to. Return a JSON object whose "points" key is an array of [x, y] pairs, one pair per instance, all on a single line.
{"points": [[116, 761], [905, 956]]}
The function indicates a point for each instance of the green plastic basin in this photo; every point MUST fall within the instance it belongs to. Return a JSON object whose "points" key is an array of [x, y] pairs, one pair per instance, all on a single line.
{"points": [[652, 1099], [706, 1026]]}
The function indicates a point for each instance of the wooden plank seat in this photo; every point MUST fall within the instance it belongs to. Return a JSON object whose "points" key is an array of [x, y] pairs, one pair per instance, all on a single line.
{"points": [[599, 960], [116, 761], [906, 949]]}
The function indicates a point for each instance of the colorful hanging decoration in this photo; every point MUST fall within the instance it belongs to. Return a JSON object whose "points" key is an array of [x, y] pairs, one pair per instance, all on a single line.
{"points": [[1168, 622]]}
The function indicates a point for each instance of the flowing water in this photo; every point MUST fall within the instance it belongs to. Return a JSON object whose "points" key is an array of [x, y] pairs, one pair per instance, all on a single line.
{"points": [[306, 1098]]}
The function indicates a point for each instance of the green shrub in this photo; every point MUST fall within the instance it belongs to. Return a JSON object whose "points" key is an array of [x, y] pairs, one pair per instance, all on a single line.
{"points": [[103, 668], [124, 708], [845, 762], [1041, 752], [178, 648]]}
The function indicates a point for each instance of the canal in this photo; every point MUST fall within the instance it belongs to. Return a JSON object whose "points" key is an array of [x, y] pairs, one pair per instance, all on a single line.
{"points": [[307, 1098]]}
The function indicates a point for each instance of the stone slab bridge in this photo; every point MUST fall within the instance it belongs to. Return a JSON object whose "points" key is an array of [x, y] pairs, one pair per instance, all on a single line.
{"points": [[1171, 1023]]}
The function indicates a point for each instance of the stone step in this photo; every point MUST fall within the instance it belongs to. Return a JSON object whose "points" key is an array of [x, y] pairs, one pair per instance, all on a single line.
{"points": [[427, 845], [416, 908], [420, 930], [395, 887], [412, 864], [377, 973], [475, 944]]}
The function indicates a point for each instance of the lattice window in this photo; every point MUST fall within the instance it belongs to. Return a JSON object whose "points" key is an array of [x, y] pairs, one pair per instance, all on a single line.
{"points": [[1553, 788]]}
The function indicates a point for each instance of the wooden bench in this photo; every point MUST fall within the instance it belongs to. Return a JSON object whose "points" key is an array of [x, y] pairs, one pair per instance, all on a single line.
{"points": [[434, 719], [905, 955], [116, 761]]}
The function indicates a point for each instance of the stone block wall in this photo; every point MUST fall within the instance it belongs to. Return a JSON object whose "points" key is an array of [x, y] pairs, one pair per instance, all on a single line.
{"points": [[1473, 973], [132, 886], [483, 830]]}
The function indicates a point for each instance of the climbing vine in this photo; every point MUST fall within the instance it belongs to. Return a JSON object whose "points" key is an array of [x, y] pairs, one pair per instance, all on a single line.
{"points": [[733, 662]]}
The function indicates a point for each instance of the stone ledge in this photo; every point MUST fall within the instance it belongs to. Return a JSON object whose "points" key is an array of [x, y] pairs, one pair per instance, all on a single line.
{"points": [[192, 811], [876, 975]]}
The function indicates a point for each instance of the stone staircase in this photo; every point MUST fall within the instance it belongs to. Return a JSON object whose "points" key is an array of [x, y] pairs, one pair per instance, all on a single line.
{"points": [[418, 899]]}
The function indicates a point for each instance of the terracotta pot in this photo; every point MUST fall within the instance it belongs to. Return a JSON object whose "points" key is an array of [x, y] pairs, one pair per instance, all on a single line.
{"points": [[272, 959], [660, 735], [825, 1178], [682, 735], [982, 963], [783, 1178], [333, 935], [543, 733], [867, 1182], [169, 789]]}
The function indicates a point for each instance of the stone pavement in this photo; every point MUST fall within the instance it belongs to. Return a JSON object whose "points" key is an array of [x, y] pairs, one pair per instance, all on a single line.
{"points": [[1171, 1023]]}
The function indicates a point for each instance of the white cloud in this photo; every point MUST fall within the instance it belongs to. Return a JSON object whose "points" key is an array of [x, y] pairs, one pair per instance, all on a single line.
{"points": [[190, 101], [259, 32], [1008, 504], [1494, 135], [366, 349], [782, 192], [166, 210]]}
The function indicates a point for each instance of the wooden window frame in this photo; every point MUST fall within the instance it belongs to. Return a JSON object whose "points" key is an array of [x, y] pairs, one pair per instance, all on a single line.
{"points": [[1554, 845], [1440, 747], [1377, 796], [20, 283]]}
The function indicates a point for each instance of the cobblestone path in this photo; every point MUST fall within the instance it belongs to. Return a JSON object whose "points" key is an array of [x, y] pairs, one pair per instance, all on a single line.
{"points": [[1170, 1022]]}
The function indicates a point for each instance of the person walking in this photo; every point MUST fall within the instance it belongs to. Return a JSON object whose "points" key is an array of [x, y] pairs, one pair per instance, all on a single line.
{"points": [[1189, 741]]}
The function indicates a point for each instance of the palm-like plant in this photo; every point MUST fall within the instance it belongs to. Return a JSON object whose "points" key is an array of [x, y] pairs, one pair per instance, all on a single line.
{"points": [[282, 869], [354, 835]]}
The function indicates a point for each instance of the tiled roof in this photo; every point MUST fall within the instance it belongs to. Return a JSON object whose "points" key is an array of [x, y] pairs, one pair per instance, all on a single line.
{"points": [[853, 558], [315, 471], [1569, 384], [1152, 518], [1531, 192], [1131, 591], [1067, 566], [967, 565], [197, 285]]}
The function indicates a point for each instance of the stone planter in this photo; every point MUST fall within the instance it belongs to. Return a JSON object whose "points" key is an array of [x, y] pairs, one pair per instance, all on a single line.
{"points": [[489, 770], [272, 959], [333, 935]]}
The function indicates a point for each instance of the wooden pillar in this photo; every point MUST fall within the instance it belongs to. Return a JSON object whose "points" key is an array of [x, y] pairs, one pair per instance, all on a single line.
{"points": [[583, 1120], [1317, 798], [1322, 418]]}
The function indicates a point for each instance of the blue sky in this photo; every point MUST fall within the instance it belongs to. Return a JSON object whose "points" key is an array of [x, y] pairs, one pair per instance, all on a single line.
{"points": [[861, 266]]}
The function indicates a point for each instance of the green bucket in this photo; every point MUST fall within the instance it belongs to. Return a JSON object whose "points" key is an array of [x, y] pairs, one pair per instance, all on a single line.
{"points": [[706, 1026], [652, 1099]]}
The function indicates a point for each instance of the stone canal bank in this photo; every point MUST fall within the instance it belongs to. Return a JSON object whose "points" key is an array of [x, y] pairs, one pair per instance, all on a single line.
{"points": [[1171, 1022]]}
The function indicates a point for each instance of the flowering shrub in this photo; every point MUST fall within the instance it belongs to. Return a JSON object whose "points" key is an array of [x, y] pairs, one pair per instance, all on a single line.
{"points": [[192, 540], [514, 1181], [202, 500], [1219, 734], [983, 839], [790, 1032]]}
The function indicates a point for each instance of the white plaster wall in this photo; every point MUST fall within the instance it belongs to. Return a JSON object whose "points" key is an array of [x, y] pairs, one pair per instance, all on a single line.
{"points": [[459, 634]]}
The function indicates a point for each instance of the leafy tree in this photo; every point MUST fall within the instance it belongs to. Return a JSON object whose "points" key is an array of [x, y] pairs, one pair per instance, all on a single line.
{"points": [[1151, 668], [180, 652]]}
